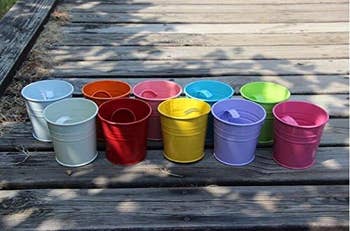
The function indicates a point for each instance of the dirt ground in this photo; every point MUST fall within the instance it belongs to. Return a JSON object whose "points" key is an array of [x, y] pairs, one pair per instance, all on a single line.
{"points": [[35, 67]]}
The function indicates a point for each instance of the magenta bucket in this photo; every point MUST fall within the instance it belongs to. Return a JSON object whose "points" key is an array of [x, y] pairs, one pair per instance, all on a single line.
{"points": [[298, 128], [237, 125], [154, 92]]}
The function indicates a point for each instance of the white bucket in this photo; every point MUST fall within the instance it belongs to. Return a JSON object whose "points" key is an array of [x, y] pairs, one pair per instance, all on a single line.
{"points": [[38, 96], [72, 127]]}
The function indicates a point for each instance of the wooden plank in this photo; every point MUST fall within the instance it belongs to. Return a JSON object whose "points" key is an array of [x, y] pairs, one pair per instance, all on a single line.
{"points": [[256, 17], [18, 29], [195, 8], [267, 28], [204, 208], [177, 39], [16, 134], [205, 2], [312, 84], [111, 53], [331, 168], [200, 68]]}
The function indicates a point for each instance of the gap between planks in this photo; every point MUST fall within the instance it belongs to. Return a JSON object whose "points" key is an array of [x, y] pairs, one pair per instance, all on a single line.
{"points": [[205, 2]]}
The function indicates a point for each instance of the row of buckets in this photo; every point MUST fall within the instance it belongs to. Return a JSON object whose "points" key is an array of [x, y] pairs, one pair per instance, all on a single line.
{"points": [[208, 113]]}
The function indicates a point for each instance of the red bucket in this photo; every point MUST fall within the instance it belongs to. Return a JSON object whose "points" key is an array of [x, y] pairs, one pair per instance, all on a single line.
{"points": [[104, 90], [124, 125]]}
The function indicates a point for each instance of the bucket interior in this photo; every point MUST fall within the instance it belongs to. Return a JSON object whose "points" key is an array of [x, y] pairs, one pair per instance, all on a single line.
{"points": [[47, 90], [70, 111], [245, 112], [184, 108], [265, 92], [157, 89], [124, 110], [209, 90], [300, 114], [106, 89]]}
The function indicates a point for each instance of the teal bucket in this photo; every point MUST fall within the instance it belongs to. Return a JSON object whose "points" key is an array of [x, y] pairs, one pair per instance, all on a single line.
{"points": [[209, 91]]}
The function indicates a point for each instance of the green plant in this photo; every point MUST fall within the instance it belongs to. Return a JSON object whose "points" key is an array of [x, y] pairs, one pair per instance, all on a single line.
{"points": [[5, 5]]}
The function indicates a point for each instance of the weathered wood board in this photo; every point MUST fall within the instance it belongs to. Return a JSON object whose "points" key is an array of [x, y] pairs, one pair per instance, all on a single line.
{"points": [[225, 39], [111, 53], [18, 30], [195, 208], [203, 68]]}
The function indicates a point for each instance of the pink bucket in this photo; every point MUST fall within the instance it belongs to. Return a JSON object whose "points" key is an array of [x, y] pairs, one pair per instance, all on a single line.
{"points": [[298, 128], [154, 92]]}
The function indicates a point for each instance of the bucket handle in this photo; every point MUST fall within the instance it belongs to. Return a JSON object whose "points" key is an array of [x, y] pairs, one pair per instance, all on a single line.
{"points": [[289, 120], [130, 113], [190, 110], [232, 114], [205, 93], [47, 94], [148, 91], [103, 92], [258, 97]]}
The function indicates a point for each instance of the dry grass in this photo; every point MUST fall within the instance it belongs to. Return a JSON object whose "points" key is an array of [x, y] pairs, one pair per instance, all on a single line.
{"points": [[37, 66]]}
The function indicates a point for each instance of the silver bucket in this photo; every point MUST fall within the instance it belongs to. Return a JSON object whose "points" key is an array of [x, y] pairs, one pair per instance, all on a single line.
{"points": [[38, 96], [72, 127]]}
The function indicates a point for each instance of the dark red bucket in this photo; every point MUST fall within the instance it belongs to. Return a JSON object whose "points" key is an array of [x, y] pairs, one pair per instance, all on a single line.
{"points": [[124, 125]]}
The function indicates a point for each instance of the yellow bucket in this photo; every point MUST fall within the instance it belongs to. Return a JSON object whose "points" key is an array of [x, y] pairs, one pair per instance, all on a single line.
{"points": [[184, 125]]}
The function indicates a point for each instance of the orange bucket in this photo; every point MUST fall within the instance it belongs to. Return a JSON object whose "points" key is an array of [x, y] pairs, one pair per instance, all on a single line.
{"points": [[102, 91], [105, 90]]}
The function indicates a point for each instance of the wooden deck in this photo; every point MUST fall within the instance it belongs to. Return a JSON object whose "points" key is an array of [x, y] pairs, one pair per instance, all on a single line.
{"points": [[302, 44]]}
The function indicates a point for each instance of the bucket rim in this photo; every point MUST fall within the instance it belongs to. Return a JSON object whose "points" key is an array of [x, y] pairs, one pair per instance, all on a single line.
{"points": [[75, 123], [208, 80], [156, 99], [181, 118], [300, 126], [105, 98], [241, 91], [47, 100], [237, 124], [128, 123]]}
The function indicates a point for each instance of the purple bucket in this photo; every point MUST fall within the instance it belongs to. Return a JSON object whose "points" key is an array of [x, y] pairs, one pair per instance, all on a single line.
{"points": [[237, 125]]}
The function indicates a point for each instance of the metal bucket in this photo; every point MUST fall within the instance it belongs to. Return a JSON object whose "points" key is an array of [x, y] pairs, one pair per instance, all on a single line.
{"points": [[266, 94], [298, 129], [184, 124], [209, 91], [102, 91], [237, 125], [124, 124], [154, 92], [72, 127], [38, 96]]}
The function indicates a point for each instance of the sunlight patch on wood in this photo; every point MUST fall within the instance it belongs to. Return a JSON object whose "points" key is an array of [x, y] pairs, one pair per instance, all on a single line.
{"points": [[332, 164], [127, 206], [65, 194], [17, 218], [268, 202]]}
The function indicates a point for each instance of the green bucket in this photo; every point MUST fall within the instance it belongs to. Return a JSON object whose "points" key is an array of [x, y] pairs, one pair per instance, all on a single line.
{"points": [[266, 94]]}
